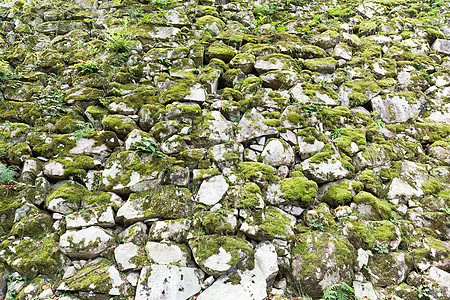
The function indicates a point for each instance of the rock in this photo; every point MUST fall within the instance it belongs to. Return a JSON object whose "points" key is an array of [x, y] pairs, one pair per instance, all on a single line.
{"points": [[314, 269], [102, 216], [442, 279], [85, 243], [277, 153], [388, 269], [167, 254], [441, 46], [269, 224], [212, 190], [400, 186], [216, 254], [275, 62], [326, 166], [166, 202], [399, 107], [249, 280], [130, 257], [226, 155], [172, 230], [364, 290], [251, 126], [129, 171], [136, 233], [98, 276], [169, 282], [212, 129]]}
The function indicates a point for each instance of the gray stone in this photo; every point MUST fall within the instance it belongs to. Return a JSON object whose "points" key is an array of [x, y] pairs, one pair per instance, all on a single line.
{"points": [[158, 282], [251, 127], [85, 243], [212, 190]]}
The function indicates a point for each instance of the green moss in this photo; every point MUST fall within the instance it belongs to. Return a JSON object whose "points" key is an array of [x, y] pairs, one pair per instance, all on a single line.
{"points": [[76, 165], [217, 223], [71, 192], [248, 196], [255, 171], [208, 20], [348, 136], [431, 187], [271, 224], [341, 193], [299, 191], [221, 51], [166, 202], [34, 226], [93, 277], [206, 246], [176, 93], [362, 87], [372, 183], [381, 208], [33, 257], [69, 124], [311, 90], [321, 65], [118, 124]]}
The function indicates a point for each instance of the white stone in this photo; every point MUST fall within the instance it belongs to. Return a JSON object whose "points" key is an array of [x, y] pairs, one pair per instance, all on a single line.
{"points": [[85, 243], [212, 190], [276, 153], [123, 255], [364, 290], [158, 282], [165, 254]]}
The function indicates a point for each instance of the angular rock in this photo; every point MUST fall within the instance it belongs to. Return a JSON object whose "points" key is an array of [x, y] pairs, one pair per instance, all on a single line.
{"points": [[251, 127], [168, 282], [85, 243], [212, 190], [130, 257], [277, 153]]}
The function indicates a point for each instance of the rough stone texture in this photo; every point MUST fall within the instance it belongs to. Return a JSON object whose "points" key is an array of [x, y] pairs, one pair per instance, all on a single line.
{"points": [[168, 282], [85, 243]]}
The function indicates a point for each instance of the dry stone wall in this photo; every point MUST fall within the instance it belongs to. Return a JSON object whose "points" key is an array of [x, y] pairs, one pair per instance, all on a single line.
{"points": [[214, 149]]}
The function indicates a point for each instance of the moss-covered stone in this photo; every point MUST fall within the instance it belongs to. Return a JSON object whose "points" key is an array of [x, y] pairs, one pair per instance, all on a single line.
{"points": [[248, 196], [67, 197], [34, 226], [268, 224], [207, 249], [257, 172], [221, 51], [341, 193], [299, 191], [32, 257]]}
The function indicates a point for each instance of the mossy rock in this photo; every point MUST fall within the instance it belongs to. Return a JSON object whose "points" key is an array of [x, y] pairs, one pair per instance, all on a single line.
{"points": [[121, 125], [377, 236], [247, 196], [221, 51], [341, 193], [69, 124], [99, 276], [9, 202], [299, 191], [219, 222], [70, 165], [34, 226], [129, 171], [216, 254], [32, 257], [267, 225], [318, 256], [325, 65], [257, 172], [372, 182], [372, 208], [213, 24], [164, 202], [66, 198]]}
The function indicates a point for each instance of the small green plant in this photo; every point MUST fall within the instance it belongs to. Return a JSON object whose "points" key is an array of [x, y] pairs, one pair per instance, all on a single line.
{"points": [[150, 145], [7, 174], [80, 133], [336, 132], [422, 291], [339, 291], [381, 247], [87, 67], [5, 73], [316, 224]]}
